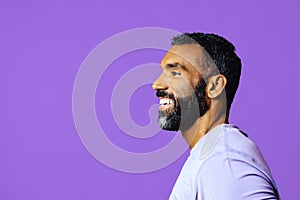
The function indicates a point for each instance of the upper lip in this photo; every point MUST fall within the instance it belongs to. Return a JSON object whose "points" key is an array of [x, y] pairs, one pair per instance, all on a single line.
{"points": [[167, 97]]}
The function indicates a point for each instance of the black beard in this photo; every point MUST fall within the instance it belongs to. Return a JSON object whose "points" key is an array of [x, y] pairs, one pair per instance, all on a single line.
{"points": [[189, 109]]}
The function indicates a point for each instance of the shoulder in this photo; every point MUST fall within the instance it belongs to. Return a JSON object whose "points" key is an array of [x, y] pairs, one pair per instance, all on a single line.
{"points": [[229, 143], [235, 163], [227, 161]]}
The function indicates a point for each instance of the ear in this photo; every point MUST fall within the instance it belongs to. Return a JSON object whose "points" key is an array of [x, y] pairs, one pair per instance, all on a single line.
{"points": [[216, 85]]}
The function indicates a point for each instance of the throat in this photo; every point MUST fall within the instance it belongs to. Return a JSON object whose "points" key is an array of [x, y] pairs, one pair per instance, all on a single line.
{"points": [[200, 128], [195, 132]]}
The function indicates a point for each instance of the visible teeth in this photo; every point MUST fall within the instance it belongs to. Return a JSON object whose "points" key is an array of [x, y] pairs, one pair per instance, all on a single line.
{"points": [[165, 101]]}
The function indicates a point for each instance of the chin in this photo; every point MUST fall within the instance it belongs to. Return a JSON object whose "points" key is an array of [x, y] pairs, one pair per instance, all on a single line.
{"points": [[169, 122]]}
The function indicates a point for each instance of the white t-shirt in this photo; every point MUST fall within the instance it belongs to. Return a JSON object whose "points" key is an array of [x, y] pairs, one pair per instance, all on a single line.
{"points": [[225, 165]]}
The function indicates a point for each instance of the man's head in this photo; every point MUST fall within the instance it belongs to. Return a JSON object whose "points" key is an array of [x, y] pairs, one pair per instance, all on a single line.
{"points": [[197, 69]]}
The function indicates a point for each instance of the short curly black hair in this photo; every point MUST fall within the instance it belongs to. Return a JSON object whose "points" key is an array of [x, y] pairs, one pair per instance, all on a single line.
{"points": [[222, 53]]}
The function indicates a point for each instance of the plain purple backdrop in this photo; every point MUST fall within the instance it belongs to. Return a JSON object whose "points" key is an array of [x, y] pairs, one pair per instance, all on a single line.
{"points": [[42, 46]]}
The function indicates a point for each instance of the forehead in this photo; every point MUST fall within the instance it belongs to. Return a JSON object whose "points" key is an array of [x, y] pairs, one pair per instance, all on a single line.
{"points": [[186, 54]]}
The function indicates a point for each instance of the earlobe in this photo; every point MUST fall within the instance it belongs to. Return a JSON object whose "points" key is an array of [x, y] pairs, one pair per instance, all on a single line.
{"points": [[216, 85]]}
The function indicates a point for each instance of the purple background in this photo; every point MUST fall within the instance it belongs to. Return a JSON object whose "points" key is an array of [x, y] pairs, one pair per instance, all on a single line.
{"points": [[43, 45]]}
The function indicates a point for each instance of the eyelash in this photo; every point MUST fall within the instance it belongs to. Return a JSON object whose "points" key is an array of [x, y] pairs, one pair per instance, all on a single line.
{"points": [[174, 73]]}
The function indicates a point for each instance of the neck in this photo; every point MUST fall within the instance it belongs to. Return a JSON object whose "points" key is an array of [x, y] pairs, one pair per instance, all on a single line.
{"points": [[201, 126]]}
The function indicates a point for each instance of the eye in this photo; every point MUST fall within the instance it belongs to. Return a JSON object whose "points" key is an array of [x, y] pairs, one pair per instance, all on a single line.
{"points": [[175, 73]]}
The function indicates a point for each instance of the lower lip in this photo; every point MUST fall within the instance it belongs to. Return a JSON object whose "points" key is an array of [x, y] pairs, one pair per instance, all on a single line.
{"points": [[164, 107]]}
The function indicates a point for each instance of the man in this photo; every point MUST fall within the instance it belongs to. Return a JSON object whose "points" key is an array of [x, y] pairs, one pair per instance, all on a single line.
{"points": [[199, 79]]}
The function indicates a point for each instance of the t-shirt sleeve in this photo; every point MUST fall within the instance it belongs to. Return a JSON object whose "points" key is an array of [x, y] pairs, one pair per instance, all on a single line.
{"points": [[224, 177]]}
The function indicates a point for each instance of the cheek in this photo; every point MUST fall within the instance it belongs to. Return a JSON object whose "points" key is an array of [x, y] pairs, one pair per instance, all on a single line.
{"points": [[183, 88]]}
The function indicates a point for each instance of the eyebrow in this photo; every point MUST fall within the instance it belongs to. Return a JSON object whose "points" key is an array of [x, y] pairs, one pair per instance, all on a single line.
{"points": [[171, 65]]}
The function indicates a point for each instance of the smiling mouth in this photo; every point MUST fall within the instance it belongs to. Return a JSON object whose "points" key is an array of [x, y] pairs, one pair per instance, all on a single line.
{"points": [[166, 103]]}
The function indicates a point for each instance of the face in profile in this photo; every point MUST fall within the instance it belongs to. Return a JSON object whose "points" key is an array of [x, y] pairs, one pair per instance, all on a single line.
{"points": [[180, 88]]}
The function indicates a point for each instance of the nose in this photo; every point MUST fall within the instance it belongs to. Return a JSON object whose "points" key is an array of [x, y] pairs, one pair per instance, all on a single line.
{"points": [[159, 84]]}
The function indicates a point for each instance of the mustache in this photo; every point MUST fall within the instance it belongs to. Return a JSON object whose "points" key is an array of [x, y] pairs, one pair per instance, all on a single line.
{"points": [[162, 93]]}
